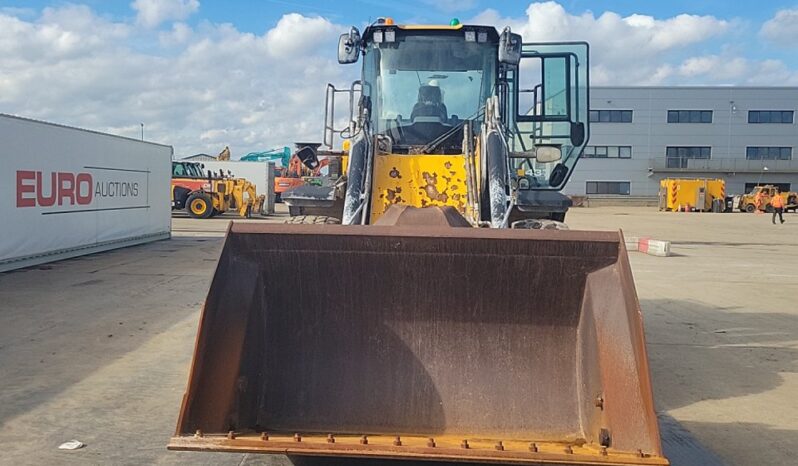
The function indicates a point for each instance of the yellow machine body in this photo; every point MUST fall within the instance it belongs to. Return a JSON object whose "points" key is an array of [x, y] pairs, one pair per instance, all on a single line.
{"points": [[244, 196], [748, 202], [419, 181], [233, 194]]}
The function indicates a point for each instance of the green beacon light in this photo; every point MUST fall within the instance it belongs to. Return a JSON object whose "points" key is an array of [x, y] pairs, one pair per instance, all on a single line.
{"points": [[454, 22]]}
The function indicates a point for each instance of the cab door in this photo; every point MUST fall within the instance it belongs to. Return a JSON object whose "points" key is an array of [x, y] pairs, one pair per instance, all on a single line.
{"points": [[546, 103]]}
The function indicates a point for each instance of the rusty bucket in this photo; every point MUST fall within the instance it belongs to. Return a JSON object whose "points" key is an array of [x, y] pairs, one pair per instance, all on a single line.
{"points": [[422, 343]]}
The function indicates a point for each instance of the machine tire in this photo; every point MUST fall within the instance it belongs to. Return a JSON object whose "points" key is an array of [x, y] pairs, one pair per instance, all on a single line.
{"points": [[750, 208], [313, 220], [199, 205], [495, 194]]}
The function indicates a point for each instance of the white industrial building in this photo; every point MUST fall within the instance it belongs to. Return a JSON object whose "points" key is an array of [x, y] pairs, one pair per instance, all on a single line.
{"points": [[640, 135]]}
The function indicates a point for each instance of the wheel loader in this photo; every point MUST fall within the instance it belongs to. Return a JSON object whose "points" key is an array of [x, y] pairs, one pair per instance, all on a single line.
{"points": [[451, 317], [204, 196]]}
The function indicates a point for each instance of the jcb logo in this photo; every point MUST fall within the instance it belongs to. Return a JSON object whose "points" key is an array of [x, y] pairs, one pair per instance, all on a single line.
{"points": [[56, 188]]}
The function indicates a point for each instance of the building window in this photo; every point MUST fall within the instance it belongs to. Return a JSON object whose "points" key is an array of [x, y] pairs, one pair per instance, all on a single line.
{"points": [[608, 187], [689, 116], [768, 153], [783, 187], [677, 156], [770, 116], [607, 152], [611, 116]]}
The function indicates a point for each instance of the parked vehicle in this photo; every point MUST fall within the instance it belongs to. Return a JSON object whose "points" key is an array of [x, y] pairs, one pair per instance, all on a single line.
{"points": [[205, 194], [759, 199]]}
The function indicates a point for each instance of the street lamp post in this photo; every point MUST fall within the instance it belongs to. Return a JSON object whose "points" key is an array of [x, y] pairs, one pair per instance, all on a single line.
{"points": [[142, 131], [762, 172]]}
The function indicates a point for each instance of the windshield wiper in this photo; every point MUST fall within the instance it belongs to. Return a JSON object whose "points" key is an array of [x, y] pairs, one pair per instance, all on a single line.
{"points": [[432, 145]]}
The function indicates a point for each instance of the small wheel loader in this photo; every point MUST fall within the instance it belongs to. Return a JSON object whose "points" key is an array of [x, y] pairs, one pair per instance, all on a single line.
{"points": [[205, 196], [759, 199], [439, 321]]}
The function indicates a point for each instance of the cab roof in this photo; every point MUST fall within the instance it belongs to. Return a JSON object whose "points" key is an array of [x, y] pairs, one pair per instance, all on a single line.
{"points": [[493, 35]]}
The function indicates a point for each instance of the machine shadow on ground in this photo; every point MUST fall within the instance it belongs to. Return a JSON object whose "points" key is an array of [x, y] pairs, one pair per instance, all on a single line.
{"points": [[735, 340], [50, 356], [724, 341]]}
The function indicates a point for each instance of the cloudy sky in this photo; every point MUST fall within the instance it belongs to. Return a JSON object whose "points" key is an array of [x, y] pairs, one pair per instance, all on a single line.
{"points": [[202, 74]]}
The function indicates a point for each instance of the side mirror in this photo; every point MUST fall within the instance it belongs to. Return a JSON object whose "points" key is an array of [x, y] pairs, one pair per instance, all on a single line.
{"points": [[509, 47], [548, 154], [577, 134], [558, 175], [349, 47], [307, 155]]}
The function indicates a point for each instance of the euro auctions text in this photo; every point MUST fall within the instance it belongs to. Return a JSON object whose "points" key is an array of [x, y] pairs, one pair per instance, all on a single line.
{"points": [[47, 189]]}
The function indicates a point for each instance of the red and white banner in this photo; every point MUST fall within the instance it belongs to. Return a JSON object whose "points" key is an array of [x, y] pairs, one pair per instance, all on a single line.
{"points": [[65, 191]]}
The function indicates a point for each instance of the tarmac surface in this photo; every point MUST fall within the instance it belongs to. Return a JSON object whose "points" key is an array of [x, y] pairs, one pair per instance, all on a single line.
{"points": [[97, 348]]}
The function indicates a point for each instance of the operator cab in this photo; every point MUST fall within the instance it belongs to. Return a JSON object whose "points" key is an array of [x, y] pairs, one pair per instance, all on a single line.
{"points": [[187, 170], [421, 84], [521, 109]]}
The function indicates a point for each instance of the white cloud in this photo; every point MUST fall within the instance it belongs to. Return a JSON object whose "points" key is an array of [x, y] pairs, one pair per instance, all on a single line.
{"points": [[195, 88], [719, 67], [62, 33], [732, 70], [782, 28], [769, 72], [181, 33], [550, 21], [624, 50], [205, 86], [296, 35], [728, 69], [643, 50], [151, 13]]}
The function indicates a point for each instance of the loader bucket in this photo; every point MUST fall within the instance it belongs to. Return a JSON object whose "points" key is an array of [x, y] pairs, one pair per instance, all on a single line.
{"points": [[422, 343]]}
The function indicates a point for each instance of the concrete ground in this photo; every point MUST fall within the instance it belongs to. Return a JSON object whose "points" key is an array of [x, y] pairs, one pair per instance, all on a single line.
{"points": [[97, 348]]}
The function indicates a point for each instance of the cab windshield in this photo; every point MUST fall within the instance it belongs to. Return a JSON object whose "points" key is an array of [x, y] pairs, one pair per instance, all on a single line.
{"points": [[190, 170], [423, 86]]}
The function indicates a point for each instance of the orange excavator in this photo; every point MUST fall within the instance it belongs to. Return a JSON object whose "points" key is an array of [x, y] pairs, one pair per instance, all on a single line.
{"points": [[295, 174]]}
